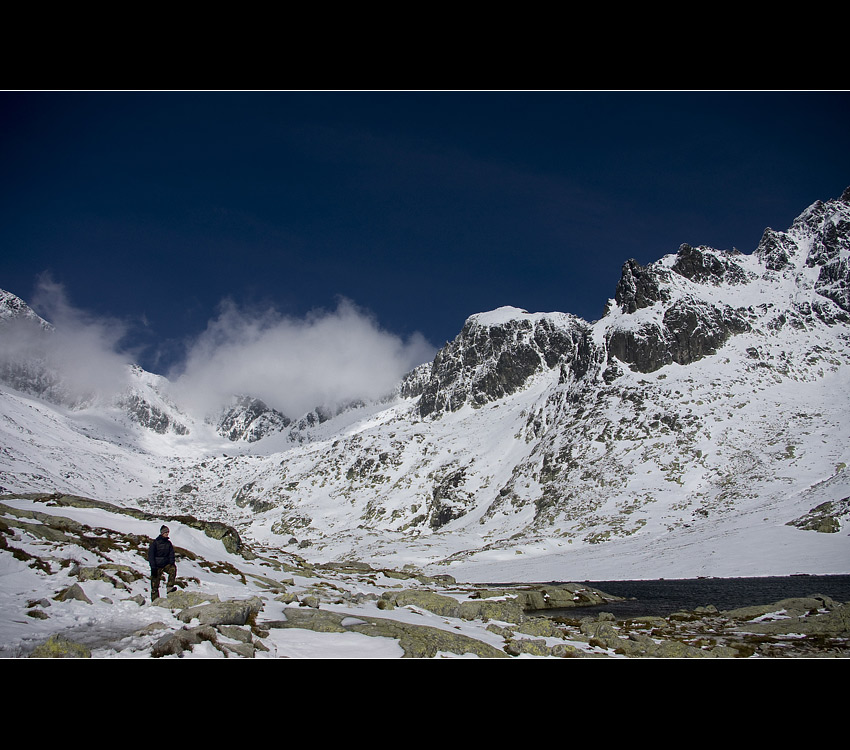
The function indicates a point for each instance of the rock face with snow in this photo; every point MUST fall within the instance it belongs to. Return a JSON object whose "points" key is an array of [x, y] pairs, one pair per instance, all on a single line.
{"points": [[706, 410], [22, 364], [685, 328], [250, 419], [496, 353]]}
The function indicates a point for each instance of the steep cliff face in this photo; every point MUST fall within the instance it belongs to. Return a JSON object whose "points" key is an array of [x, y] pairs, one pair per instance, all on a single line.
{"points": [[496, 354], [826, 229], [685, 307], [679, 310], [677, 326]]}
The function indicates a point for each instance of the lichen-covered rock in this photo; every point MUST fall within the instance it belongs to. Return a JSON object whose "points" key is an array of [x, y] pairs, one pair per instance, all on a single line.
{"points": [[536, 647], [214, 529], [60, 647], [540, 626], [826, 518], [793, 607], [808, 616], [549, 596]]}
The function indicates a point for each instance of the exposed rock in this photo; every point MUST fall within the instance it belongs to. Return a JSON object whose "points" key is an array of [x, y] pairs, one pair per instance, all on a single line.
{"points": [[495, 354], [688, 331], [814, 615], [827, 518], [552, 596], [250, 419], [74, 591], [60, 647], [213, 529], [705, 265], [448, 606], [231, 612], [776, 250], [185, 599], [235, 632], [527, 646], [150, 416], [416, 641], [414, 383], [174, 644], [99, 574], [639, 287]]}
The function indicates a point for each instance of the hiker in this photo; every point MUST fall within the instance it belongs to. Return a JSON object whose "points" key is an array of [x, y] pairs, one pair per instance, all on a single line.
{"points": [[161, 559]]}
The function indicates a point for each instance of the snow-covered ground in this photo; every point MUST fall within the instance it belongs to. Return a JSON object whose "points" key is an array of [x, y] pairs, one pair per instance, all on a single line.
{"points": [[116, 621]]}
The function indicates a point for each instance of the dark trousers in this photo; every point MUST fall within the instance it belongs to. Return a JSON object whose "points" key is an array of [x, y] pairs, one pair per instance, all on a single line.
{"points": [[156, 577]]}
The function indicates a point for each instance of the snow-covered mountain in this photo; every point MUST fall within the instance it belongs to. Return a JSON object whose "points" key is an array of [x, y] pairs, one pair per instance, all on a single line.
{"points": [[684, 433]]}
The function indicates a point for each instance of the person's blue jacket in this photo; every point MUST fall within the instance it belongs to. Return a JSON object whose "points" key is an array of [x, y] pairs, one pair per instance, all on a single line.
{"points": [[160, 553]]}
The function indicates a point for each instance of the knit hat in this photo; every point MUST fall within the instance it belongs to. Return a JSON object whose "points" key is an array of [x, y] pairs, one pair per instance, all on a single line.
{"points": [[163, 529]]}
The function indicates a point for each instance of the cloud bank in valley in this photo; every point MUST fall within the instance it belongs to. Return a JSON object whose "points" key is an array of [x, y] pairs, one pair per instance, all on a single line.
{"points": [[326, 358], [77, 358]]}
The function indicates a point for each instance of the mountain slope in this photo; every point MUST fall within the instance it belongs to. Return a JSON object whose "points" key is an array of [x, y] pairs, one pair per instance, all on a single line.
{"points": [[678, 435]]}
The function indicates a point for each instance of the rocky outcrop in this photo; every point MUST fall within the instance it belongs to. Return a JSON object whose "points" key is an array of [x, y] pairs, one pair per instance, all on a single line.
{"points": [[704, 265], [250, 419], [509, 604], [536, 598], [688, 331], [684, 328], [828, 226], [826, 518], [640, 287], [59, 528], [495, 354], [415, 641], [225, 625], [413, 384], [150, 416], [799, 627]]}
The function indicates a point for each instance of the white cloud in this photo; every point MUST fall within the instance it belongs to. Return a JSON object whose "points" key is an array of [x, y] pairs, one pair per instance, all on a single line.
{"points": [[81, 354], [326, 358], [295, 364]]}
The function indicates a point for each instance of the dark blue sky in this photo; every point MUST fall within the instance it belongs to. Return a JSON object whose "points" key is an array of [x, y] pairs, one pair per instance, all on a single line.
{"points": [[422, 208]]}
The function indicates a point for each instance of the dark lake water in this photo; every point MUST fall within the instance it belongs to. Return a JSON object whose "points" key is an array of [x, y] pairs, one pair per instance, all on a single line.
{"points": [[662, 597]]}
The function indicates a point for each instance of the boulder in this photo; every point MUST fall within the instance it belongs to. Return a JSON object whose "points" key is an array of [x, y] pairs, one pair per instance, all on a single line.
{"points": [[232, 612], [174, 644], [75, 591]]}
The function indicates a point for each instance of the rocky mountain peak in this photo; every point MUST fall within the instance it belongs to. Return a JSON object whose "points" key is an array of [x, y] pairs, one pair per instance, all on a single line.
{"points": [[683, 322], [675, 310], [14, 309], [250, 419], [496, 353], [640, 286]]}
